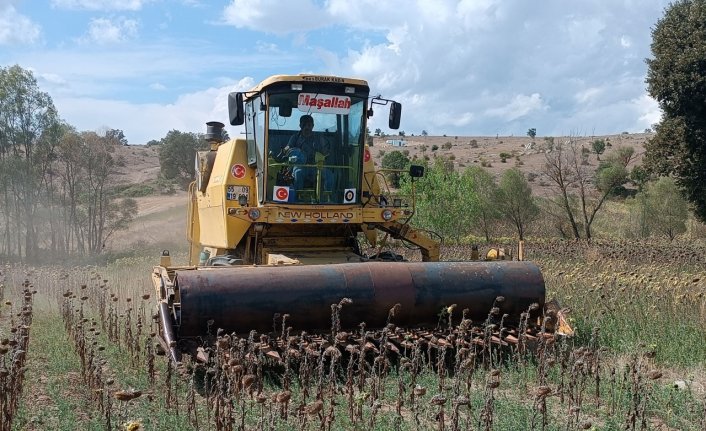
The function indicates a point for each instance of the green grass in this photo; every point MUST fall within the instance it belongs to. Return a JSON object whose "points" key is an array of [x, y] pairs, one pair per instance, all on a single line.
{"points": [[51, 365]]}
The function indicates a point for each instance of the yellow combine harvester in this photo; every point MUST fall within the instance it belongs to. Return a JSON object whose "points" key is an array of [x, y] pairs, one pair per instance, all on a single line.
{"points": [[274, 222]]}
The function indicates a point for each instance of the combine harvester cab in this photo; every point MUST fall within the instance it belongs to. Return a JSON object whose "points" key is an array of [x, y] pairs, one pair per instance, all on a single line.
{"points": [[273, 225]]}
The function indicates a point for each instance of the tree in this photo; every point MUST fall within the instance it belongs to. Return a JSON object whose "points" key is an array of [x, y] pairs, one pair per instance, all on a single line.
{"points": [[598, 147], [424, 133], [394, 160], [29, 131], [558, 169], [668, 210], [116, 137], [486, 191], [676, 78], [515, 201], [532, 133], [564, 167], [401, 132], [639, 176], [368, 137], [177, 152], [56, 185], [446, 202], [378, 132]]}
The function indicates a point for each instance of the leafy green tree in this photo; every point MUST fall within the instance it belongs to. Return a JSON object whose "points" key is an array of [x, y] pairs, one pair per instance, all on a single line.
{"points": [[598, 147], [658, 209], [515, 201], [424, 133], [378, 132], [394, 160], [401, 133], [610, 176], [676, 78], [29, 131], [177, 152], [639, 176], [486, 191], [446, 202], [368, 137], [637, 224], [532, 133], [668, 208], [116, 136]]}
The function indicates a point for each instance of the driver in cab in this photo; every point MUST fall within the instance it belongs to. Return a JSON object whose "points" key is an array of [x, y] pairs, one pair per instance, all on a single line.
{"points": [[308, 148]]}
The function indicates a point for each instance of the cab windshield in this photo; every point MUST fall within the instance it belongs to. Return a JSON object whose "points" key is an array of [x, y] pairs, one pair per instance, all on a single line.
{"points": [[315, 144]]}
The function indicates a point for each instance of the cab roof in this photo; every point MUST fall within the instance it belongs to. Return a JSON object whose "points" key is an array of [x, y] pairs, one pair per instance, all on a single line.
{"points": [[306, 78]]}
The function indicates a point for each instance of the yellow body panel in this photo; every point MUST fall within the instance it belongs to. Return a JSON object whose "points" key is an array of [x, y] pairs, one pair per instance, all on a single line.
{"points": [[213, 205], [227, 220]]}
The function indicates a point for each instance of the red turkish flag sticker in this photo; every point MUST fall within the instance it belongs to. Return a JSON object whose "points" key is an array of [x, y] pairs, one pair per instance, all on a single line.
{"points": [[238, 171], [280, 193]]}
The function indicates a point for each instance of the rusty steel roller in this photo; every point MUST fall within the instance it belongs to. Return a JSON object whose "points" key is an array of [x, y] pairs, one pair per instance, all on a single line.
{"points": [[241, 299]]}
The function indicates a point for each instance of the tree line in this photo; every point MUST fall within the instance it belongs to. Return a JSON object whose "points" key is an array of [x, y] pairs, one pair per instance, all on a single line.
{"points": [[56, 197], [473, 203]]}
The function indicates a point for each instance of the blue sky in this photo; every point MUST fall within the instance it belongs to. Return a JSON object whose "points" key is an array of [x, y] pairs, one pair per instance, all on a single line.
{"points": [[465, 67]]}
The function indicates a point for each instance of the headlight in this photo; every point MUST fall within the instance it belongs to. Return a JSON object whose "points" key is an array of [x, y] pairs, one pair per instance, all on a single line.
{"points": [[387, 215], [254, 213]]}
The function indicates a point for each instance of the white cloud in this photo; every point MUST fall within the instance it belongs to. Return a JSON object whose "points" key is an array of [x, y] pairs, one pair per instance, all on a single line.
{"points": [[458, 66], [519, 106], [481, 65], [146, 121], [106, 31], [649, 111], [16, 28], [275, 16], [588, 95], [100, 4], [266, 47]]}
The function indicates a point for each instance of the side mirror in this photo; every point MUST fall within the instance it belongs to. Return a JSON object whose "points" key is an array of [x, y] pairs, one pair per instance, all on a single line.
{"points": [[416, 171], [236, 110], [395, 115]]}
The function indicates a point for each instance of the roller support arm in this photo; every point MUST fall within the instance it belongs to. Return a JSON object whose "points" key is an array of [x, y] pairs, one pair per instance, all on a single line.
{"points": [[428, 247]]}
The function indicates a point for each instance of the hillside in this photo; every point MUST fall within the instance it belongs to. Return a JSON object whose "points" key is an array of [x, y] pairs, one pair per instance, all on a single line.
{"points": [[161, 219], [485, 151]]}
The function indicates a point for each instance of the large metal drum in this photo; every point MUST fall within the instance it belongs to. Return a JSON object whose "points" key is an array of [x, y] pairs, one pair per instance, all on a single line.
{"points": [[241, 299]]}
